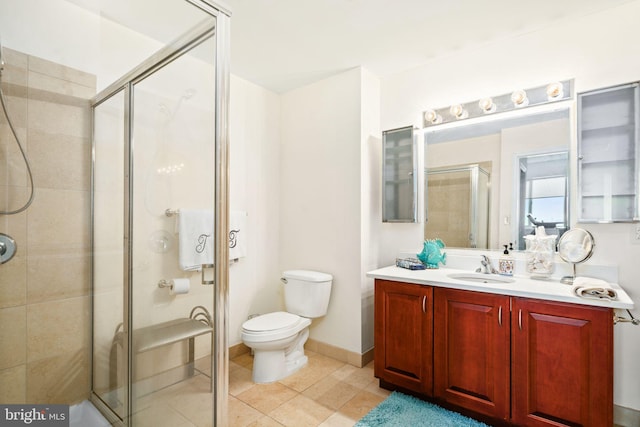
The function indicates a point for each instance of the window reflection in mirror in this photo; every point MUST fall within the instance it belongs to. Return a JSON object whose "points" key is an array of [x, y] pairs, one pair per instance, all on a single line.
{"points": [[543, 194], [496, 145]]}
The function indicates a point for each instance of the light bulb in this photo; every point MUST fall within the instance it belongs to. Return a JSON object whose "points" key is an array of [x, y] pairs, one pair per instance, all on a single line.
{"points": [[519, 98], [432, 117], [554, 91], [458, 111], [487, 105]]}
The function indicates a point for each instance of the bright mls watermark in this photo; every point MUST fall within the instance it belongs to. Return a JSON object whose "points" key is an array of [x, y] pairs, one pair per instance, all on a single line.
{"points": [[34, 415]]}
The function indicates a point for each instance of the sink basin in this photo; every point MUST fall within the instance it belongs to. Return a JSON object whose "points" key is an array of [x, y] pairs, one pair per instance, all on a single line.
{"points": [[480, 278]]}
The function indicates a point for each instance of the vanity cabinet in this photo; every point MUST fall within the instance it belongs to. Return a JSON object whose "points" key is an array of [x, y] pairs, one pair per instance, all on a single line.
{"points": [[403, 354], [524, 361], [471, 350], [608, 135], [399, 176], [562, 364]]}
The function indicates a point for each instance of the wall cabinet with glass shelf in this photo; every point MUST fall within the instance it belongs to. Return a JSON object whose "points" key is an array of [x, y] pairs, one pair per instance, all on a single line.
{"points": [[608, 122], [399, 198]]}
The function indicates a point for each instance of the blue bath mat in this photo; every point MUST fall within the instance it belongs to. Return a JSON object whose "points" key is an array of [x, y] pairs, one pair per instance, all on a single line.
{"points": [[402, 411]]}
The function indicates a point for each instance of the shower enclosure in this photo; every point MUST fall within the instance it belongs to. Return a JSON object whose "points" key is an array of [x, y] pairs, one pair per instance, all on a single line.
{"points": [[159, 352], [458, 205]]}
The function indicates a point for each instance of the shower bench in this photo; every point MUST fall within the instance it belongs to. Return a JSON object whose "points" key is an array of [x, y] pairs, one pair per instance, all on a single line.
{"points": [[158, 335]]}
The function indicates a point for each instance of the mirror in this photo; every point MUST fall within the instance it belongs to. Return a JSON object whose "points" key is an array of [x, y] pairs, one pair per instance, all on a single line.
{"points": [[514, 199], [574, 247]]}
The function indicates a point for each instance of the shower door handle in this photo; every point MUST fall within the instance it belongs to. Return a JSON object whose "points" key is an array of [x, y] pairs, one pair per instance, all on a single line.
{"points": [[206, 281]]}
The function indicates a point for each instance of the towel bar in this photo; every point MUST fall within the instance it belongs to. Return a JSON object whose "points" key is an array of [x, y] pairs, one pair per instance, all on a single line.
{"points": [[629, 319]]}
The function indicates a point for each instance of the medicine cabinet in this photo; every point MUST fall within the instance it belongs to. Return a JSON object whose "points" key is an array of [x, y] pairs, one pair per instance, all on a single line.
{"points": [[607, 154], [399, 193]]}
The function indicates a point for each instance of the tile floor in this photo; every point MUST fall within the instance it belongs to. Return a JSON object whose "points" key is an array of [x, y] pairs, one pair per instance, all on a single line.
{"points": [[325, 393]]}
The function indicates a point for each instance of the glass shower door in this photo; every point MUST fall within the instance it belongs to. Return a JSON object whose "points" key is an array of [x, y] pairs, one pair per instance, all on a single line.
{"points": [[109, 273], [172, 239]]}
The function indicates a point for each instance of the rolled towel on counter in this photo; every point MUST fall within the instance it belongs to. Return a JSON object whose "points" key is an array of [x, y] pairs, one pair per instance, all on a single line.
{"points": [[591, 288]]}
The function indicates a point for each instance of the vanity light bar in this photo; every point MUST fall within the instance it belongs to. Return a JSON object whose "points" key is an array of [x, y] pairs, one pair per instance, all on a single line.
{"points": [[518, 99]]}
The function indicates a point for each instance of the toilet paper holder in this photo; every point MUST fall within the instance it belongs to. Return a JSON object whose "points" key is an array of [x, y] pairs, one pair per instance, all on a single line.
{"points": [[165, 284]]}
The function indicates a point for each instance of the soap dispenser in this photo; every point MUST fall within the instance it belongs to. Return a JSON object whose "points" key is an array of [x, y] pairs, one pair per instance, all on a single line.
{"points": [[505, 263]]}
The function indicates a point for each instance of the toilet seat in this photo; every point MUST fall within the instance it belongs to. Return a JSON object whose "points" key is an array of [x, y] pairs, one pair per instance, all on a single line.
{"points": [[273, 326]]}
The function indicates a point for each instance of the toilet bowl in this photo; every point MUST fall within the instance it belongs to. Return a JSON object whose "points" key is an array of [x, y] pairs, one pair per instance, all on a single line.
{"points": [[277, 339]]}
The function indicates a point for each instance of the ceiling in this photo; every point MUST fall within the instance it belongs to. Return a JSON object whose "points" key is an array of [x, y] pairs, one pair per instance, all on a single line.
{"points": [[284, 44]]}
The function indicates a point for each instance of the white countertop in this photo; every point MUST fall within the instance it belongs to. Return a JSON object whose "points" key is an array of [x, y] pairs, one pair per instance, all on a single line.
{"points": [[551, 290]]}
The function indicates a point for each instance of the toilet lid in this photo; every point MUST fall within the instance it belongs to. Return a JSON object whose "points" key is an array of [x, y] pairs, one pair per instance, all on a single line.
{"points": [[271, 322]]}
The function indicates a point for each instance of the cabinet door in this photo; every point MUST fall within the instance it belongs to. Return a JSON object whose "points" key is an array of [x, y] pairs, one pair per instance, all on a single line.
{"points": [[399, 201], [471, 350], [404, 335], [562, 364], [607, 154]]}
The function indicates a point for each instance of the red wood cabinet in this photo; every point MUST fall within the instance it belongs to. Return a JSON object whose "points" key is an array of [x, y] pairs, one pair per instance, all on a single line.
{"points": [[525, 361], [403, 335], [471, 350], [562, 357]]}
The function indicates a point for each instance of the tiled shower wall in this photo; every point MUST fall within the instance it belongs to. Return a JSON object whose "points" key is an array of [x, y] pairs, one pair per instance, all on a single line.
{"points": [[45, 318]]}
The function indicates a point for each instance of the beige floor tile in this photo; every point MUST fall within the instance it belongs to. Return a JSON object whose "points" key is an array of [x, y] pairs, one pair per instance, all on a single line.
{"points": [[160, 415], [239, 380], [267, 397], [331, 392], [241, 414], [357, 377], [300, 412], [360, 405], [338, 420], [317, 368], [265, 421]]}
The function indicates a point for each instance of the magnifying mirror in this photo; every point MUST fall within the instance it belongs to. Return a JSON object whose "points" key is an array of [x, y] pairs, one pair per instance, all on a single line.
{"points": [[574, 247]]}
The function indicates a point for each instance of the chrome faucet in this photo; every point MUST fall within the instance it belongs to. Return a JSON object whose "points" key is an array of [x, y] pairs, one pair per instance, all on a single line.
{"points": [[487, 266]]}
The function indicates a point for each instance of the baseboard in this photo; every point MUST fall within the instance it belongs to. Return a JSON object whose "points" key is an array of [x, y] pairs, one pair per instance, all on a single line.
{"points": [[355, 359], [238, 350], [350, 357], [625, 417]]}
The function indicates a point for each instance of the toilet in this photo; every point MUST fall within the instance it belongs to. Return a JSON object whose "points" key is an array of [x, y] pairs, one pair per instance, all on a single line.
{"points": [[277, 339]]}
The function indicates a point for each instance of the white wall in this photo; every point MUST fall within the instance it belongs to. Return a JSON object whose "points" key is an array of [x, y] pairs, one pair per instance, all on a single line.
{"points": [[254, 180], [597, 50], [321, 195]]}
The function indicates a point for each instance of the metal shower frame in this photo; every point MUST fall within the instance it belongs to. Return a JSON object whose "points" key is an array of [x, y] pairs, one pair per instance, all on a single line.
{"points": [[220, 28]]}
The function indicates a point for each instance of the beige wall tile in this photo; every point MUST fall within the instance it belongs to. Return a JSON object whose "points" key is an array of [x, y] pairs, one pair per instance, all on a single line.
{"points": [[13, 337], [58, 221], [13, 166], [13, 284], [60, 161], [62, 72], [59, 327], [62, 379], [15, 225], [13, 386], [47, 281], [16, 101], [54, 118], [15, 58], [15, 68], [65, 87]]}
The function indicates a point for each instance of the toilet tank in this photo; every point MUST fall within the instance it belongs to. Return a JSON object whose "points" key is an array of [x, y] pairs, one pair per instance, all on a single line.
{"points": [[306, 293]]}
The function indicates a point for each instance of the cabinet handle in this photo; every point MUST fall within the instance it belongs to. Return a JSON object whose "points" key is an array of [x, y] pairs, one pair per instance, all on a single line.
{"points": [[424, 304], [500, 316], [520, 319]]}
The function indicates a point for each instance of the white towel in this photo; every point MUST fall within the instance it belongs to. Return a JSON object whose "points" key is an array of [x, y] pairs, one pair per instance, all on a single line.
{"points": [[195, 229], [592, 288], [237, 234]]}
